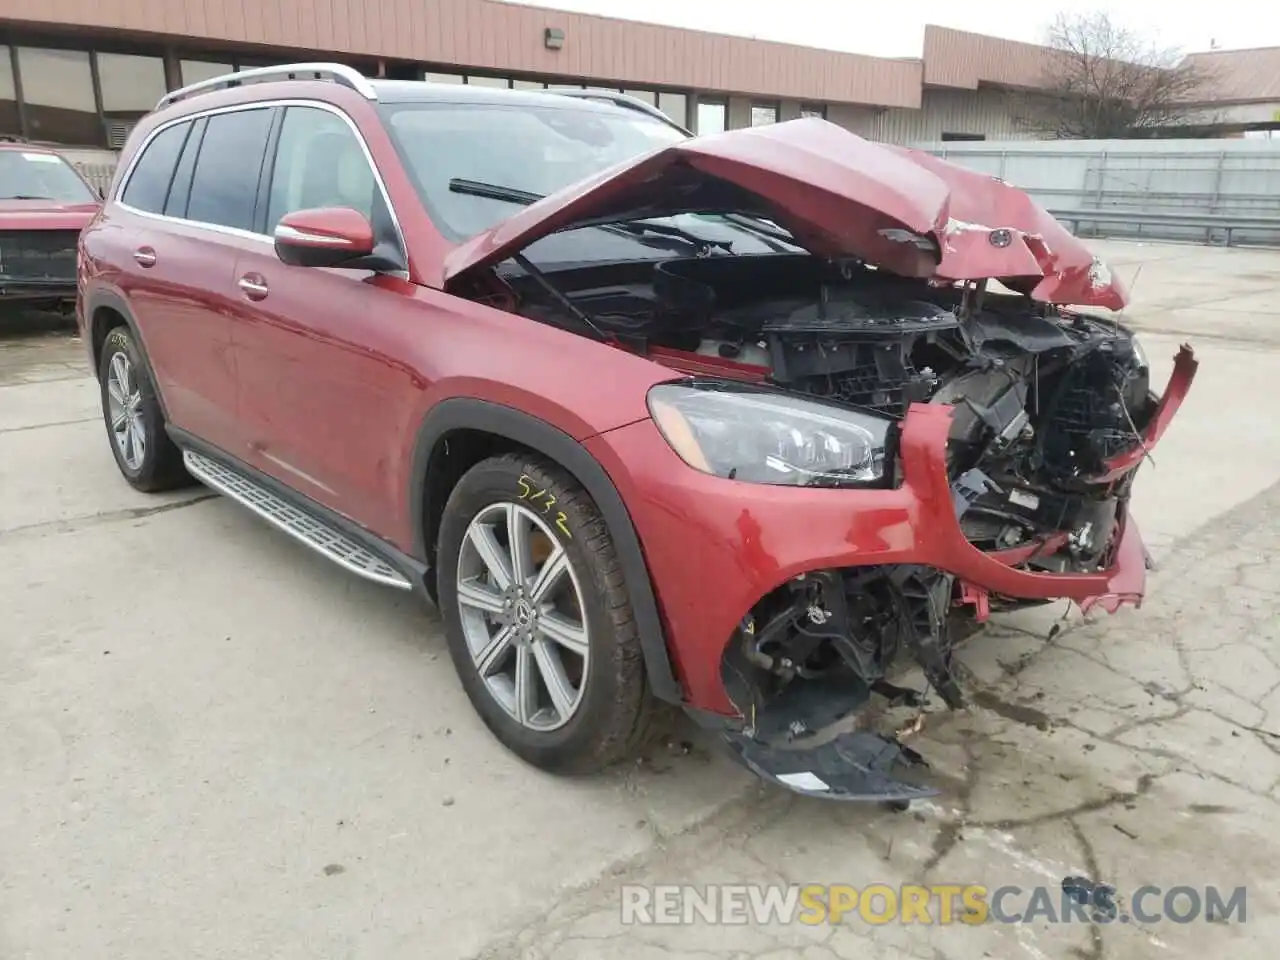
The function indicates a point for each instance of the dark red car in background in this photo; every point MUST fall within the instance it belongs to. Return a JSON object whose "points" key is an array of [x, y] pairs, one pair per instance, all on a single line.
{"points": [[44, 204], [737, 422]]}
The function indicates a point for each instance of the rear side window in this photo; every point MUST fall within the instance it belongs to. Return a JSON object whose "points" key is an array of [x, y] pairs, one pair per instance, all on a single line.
{"points": [[225, 187], [180, 189], [148, 184]]}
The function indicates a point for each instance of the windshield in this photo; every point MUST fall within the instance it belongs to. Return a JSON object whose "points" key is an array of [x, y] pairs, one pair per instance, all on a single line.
{"points": [[533, 149], [40, 176]]}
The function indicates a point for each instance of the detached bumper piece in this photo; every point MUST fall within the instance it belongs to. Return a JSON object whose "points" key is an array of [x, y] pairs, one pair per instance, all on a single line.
{"points": [[858, 766]]}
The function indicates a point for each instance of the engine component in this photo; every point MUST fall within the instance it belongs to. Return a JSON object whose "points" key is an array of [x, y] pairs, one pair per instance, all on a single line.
{"points": [[1094, 412], [752, 353]]}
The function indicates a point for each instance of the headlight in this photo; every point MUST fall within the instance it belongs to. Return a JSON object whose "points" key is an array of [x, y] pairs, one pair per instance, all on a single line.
{"points": [[742, 432], [1139, 354]]}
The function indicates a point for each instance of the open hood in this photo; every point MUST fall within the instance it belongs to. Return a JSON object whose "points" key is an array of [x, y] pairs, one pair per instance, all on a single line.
{"points": [[997, 231], [840, 196]]}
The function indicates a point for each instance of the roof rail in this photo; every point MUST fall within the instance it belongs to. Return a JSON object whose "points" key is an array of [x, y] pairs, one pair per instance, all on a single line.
{"points": [[621, 100], [336, 72]]}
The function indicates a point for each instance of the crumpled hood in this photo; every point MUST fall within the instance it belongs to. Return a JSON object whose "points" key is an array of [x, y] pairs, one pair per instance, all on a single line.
{"points": [[840, 196], [996, 231], [45, 215]]}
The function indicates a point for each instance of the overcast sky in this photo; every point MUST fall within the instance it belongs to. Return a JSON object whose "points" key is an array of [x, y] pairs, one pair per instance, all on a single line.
{"points": [[897, 29]]}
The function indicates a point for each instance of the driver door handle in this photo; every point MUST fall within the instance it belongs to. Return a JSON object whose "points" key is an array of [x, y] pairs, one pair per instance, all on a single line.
{"points": [[254, 286], [145, 256]]}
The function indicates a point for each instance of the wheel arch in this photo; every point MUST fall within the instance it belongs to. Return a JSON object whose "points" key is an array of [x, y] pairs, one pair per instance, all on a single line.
{"points": [[472, 419], [102, 309]]}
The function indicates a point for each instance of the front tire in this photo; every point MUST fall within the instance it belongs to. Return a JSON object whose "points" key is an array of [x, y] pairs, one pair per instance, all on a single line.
{"points": [[147, 458], [538, 617]]}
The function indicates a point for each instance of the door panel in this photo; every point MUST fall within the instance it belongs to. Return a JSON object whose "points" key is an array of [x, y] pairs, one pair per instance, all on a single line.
{"points": [[325, 411], [177, 280], [182, 304], [324, 408]]}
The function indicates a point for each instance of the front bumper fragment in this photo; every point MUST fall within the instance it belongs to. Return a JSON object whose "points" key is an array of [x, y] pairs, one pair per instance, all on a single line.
{"points": [[855, 766]]}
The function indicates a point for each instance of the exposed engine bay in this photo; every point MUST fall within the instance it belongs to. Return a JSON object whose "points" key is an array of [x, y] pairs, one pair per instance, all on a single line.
{"points": [[1043, 398]]}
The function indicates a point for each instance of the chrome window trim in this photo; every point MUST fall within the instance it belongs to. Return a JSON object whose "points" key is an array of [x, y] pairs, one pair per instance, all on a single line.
{"points": [[123, 182]]}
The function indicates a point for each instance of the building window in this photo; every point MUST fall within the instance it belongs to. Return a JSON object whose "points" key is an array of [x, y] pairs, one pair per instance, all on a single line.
{"points": [[130, 85], [763, 114], [952, 137], [444, 78], [501, 82], [711, 116], [675, 106], [528, 85], [818, 110], [196, 71], [10, 121], [404, 71], [57, 87], [648, 96]]}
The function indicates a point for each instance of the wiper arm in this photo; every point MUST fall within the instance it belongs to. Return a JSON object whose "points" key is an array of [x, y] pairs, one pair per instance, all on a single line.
{"points": [[761, 228], [631, 227], [704, 244], [492, 191], [25, 196]]}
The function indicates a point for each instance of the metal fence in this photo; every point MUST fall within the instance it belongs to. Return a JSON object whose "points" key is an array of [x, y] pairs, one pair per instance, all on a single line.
{"points": [[1195, 178], [98, 174]]}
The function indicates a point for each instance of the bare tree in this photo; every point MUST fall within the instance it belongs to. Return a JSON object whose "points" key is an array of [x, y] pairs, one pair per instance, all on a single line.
{"points": [[1101, 81]]}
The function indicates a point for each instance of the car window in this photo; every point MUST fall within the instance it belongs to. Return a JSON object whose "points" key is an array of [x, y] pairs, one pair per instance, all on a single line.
{"points": [[320, 162], [534, 149], [35, 175], [148, 184], [180, 189], [224, 189]]}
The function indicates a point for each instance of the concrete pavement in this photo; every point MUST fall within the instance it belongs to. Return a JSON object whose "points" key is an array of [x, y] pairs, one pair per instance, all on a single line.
{"points": [[214, 744]]}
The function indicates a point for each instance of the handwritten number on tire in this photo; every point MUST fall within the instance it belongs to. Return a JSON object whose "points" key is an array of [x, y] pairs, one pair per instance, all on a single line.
{"points": [[527, 492]]}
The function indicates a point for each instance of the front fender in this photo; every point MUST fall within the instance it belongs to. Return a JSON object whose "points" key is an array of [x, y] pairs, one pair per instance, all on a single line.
{"points": [[464, 413]]}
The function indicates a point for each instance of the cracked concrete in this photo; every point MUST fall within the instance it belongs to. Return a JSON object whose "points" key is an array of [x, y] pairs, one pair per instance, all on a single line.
{"points": [[1143, 777], [214, 744]]}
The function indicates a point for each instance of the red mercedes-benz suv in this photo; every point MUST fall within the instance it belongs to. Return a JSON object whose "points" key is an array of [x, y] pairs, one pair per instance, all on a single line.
{"points": [[736, 422]]}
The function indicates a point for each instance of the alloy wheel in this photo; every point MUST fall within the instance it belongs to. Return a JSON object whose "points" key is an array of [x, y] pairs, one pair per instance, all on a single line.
{"points": [[124, 407], [522, 616]]}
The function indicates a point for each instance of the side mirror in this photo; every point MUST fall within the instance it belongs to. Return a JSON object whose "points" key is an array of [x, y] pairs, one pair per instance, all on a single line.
{"points": [[323, 237]]}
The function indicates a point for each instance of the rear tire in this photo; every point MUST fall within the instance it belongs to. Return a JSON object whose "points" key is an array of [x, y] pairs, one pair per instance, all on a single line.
{"points": [[584, 712], [147, 458]]}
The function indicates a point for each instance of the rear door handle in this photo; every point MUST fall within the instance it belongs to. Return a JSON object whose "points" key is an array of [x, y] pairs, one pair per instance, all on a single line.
{"points": [[254, 286], [145, 256]]}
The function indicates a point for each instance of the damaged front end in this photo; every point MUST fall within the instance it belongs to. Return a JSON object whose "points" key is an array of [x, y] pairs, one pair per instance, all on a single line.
{"points": [[1014, 428], [905, 336], [1024, 465]]}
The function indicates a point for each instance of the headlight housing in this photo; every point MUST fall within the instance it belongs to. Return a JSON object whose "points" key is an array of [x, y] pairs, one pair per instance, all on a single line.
{"points": [[757, 435]]}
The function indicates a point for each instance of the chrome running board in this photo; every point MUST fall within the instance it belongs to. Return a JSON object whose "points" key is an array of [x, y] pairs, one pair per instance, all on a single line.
{"points": [[298, 523]]}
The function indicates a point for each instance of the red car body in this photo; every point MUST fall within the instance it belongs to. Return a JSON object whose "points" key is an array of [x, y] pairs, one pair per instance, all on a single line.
{"points": [[346, 388], [39, 233]]}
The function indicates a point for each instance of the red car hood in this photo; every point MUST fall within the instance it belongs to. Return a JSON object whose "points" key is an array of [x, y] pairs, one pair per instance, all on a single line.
{"points": [[839, 196], [996, 230], [45, 215]]}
